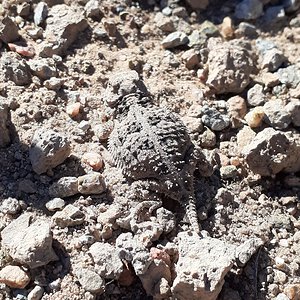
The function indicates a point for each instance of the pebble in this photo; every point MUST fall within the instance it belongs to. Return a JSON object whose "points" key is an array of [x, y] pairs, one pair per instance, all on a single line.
{"points": [[197, 39], [164, 23], [175, 39], [280, 277], [269, 79], [255, 117], [237, 109], [276, 114], [283, 243], [272, 60], [293, 108], [249, 9], [64, 187], [255, 95], [48, 150], [246, 30], [10, 206], [213, 119], [69, 216], [208, 138], [92, 9], [227, 28], [289, 76], [209, 29], [90, 280], [273, 289], [40, 13], [92, 183], [84, 125], [14, 277], [93, 159], [54, 83], [36, 293], [55, 204], [73, 109], [229, 171], [191, 58]]}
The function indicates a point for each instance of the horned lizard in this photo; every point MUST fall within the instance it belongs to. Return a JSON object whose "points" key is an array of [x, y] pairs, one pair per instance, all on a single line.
{"points": [[151, 145]]}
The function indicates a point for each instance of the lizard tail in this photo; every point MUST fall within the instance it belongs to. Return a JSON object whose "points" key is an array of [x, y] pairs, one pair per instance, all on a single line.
{"points": [[192, 213]]}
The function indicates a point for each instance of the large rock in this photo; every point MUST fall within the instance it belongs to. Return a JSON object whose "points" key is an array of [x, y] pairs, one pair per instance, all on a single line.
{"points": [[28, 242], [4, 130], [201, 267], [48, 150], [272, 151], [8, 30], [229, 67], [13, 68], [63, 26]]}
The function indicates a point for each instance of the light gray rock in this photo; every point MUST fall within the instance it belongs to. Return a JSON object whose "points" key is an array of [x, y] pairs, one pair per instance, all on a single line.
{"points": [[289, 76], [224, 59], [48, 150], [107, 261], [28, 242], [246, 29], [293, 108], [175, 39], [249, 9], [55, 204], [13, 68], [201, 267], [4, 130], [64, 24], [227, 172], [213, 119], [134, 251], [64, 187], [272, 151], [36, 293], [90, 280], [8, 30], [40, 13], [92, 183], [276, 114], [69, 216], [44, 68], [272, 59], [255, 95], [10, 206]]}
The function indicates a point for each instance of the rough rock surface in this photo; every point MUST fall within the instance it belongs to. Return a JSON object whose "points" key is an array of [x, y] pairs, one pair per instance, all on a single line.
{"points": [[48, 150], [28, 242], [4, 118], [8, 30], [201, 267], [223, 60], [14, 277]]}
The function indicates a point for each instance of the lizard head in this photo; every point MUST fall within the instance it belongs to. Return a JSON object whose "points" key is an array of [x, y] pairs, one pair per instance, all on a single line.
{"points": [[122, 84]]}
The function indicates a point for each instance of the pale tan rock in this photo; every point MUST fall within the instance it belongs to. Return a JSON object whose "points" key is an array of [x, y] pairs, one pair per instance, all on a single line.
{"points": [[245, 136], [73, 109], [227, 28], [93, 159], [237, 109], [255, 117], [14, 277], [92, 183], [191, 58]]}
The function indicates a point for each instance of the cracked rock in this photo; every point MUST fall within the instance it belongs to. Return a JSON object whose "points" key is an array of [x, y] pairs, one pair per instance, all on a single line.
{"points": [[69, 216], [201, 267], [272, 151], [48, 150], [106, 259], [28, 242], [62, 28], [224, 59]]}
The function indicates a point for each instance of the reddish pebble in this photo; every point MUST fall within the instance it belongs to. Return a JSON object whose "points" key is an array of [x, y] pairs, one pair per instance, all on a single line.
{"points": [[26, 51], [93, 159], [73, 109]]}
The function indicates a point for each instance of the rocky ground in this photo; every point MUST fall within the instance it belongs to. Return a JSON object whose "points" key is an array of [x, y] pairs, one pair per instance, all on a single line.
{"points": [[230, 69]]}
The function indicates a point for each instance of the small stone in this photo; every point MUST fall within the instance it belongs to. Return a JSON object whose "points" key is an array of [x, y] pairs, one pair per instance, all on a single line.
{"points": [[197, 39], [246, 29], [73, 109], [10, 206], [84, 125], [64, 187], [92, 9], [28, 242], [276, 114], [209, 29], [92, 183], [93, 159], [108, 264], [245, 136], [272, 60], [213, 119], [269, 79], [8, 30], [55, 204], [249, 9], [175, 39], [164, 23], [282, 296], [191, 58], [293, 108], [255, 117], [237, 109], [292, 291], [35, 33], [14, 277], [23, 9], [280, 277], [54, 83], [227, 28], [36, 293], [255, 95], [208, 138], [273, 289], [102, 131], [48, 150], [194, 125], [69, 216], [90, 281], [27, 186], [284, 243], [40, 13], [227, 172], [180, 12]]}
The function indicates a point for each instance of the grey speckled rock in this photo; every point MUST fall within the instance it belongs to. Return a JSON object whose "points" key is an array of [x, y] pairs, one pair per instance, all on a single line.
{"points": [[48, 150], [28, 242], [255, 95], [213, 119], [290, 75], [175, 39]]}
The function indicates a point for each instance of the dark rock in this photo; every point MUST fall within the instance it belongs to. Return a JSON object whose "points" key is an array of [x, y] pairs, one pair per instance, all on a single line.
{"points": [[8, 30]]}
